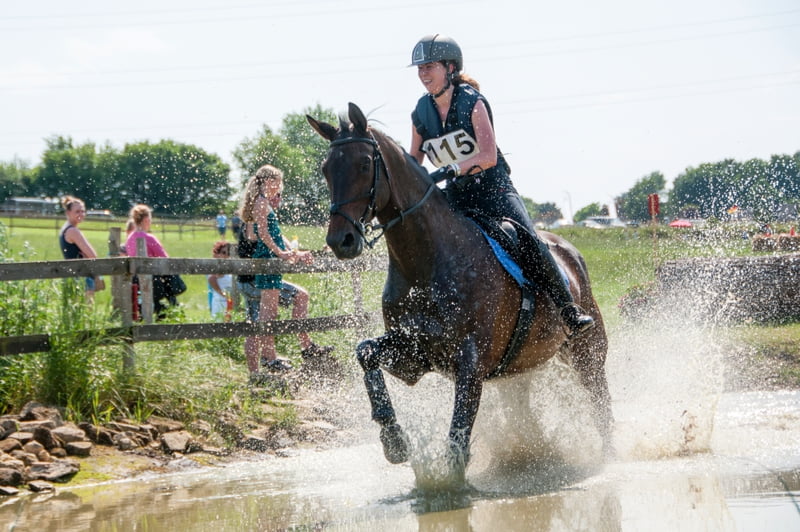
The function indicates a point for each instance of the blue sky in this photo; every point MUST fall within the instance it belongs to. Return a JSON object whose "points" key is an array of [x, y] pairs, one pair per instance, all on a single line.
{"points": [[588, 97]]}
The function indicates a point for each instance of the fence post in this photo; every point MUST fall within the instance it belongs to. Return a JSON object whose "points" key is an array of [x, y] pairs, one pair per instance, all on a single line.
{"points": [[145, 285]]}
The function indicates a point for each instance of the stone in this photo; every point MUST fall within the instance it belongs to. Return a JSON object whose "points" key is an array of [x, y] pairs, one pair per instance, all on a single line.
{"points": [[58, 452], [254, 443], [31, 426], [123, 442], [44, 456], [176, 442], [36, 411], [164, 425], [37, 486], [79, 448], [44, 435], [7, 426], [22, 437], [69, 433], [10, 444], [24, 457], [10, 477], [55, 471], [8, 491], [33, 447]]}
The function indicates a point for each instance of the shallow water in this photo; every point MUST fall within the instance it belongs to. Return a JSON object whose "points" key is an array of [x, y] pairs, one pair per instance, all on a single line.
{"points": [[689, 457]]}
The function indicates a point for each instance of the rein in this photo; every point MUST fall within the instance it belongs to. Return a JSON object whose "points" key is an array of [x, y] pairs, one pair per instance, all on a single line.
{"points": [[364, 225]]}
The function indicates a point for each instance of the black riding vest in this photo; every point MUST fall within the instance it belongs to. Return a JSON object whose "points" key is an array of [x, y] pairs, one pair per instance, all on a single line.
{"points": [[428, 124]]}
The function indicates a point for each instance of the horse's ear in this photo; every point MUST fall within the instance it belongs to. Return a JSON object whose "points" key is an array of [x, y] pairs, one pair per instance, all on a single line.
{"points": [[358, 119], [325, 130]]}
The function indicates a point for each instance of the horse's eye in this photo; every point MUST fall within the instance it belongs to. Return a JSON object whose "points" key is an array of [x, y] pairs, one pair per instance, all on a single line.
{"points": [[365, 164]]}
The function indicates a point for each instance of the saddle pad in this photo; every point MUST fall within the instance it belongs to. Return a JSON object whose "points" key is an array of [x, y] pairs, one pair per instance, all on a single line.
{"points": [[505, 259]]}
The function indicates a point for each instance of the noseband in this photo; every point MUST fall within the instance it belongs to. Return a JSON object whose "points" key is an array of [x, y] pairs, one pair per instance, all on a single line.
{"points": [[364, 224]]}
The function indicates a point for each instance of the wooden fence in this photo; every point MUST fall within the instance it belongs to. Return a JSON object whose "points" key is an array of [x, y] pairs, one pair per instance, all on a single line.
{"points": [[122, 269]]}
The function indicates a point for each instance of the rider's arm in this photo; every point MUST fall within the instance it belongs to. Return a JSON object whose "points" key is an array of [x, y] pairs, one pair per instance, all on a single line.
{"points": [[484, 133]]}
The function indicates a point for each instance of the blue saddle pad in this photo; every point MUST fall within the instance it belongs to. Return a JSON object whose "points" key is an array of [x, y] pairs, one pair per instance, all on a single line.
{"points": [[513, 269]]}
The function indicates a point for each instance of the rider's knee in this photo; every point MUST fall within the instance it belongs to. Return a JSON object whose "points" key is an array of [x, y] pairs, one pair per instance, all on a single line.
{"points": [[367, 354]]}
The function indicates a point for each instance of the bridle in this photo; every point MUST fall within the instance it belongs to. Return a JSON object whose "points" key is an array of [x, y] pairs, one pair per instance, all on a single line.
{"points": [[364, 224]]}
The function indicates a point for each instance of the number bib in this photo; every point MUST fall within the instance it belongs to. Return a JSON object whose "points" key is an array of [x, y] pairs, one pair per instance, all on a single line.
{"points": [[454, 147]]}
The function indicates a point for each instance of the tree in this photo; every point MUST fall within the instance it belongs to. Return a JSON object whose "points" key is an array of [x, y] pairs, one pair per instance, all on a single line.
{"points": [[593, 209], [298, 151], [15, 179], [173, 179], [632, 205], [69, 170], [546, 213]]}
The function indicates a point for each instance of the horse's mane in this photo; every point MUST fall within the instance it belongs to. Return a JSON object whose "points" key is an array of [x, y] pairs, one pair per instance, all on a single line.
{"points": [[346, 130]]}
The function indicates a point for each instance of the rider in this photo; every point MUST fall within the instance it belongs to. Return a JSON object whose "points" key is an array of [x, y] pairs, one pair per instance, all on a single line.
{"points": [[453, 126]]}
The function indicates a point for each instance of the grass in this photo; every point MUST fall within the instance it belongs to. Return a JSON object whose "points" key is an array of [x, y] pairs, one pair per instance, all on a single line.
{"points": [[206, 379]]}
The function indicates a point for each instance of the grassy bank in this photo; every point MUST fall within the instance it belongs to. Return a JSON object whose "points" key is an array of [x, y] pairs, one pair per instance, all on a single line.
{"points": [[206, 379]]}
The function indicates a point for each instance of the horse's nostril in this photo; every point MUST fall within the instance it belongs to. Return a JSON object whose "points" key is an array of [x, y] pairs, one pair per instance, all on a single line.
{"points": [[348, 241]]}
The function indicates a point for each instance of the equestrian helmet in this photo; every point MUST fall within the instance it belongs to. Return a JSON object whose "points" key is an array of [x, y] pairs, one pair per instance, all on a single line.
{"points": [[437, 48]]}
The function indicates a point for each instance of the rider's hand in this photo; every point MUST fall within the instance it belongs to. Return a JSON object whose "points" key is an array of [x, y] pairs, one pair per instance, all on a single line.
{"points": [[445, 172]]}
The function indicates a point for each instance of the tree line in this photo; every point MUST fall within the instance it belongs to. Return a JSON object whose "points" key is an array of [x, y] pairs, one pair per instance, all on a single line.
{"points": [[181, 180]]}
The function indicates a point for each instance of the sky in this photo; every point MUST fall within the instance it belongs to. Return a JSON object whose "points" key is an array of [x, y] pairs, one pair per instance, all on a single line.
{"points": [[588, 97]]}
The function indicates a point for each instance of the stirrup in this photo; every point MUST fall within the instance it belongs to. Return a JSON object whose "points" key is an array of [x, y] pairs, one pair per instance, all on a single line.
{"points": [[576, 320]]}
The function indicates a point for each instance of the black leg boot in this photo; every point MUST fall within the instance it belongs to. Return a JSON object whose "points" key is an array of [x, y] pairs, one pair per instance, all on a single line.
{"points": [[547, 272]]}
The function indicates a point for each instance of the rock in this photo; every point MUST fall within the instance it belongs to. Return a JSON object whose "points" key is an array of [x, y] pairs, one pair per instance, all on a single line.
{"points": [[78, 448], [10, 444], [99, 435], [176, 442], [44, 456], [30, 426], [123, 442], [12, 463], [201, 427], [37, 486], [24, 457], [69, 433], [10, 477], [8, 491], [7, 426], [57, 452], [164, 425], [22, 437], [44, 435], [33, 447], [122, 427], [55, 471], [34, 411], [254, 443]]}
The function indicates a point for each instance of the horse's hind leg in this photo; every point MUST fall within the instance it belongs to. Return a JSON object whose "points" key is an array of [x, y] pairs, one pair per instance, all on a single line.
{"points": [[394, 440], [588, 354]]}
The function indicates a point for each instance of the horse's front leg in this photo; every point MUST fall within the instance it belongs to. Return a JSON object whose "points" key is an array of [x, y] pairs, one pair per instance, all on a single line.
{"points": [[371, 354], [468, 389]]}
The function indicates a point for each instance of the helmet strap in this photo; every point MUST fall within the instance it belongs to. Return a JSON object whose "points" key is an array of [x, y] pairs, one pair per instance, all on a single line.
{"points": [[444, 89]]}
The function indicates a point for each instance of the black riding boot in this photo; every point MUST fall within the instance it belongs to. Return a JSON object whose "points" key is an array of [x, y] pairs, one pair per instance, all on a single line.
{"points": [[573, 316]]}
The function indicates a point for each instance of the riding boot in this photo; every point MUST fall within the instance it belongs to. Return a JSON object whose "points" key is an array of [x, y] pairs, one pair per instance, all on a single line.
{"points": [[573, 316]]}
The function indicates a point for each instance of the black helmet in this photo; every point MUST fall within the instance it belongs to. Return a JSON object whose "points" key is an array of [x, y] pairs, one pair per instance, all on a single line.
{"points": [[437, 48]]}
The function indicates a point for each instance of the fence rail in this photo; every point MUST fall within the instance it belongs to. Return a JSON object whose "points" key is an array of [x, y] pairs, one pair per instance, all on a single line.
{"points": [[122, 269]]}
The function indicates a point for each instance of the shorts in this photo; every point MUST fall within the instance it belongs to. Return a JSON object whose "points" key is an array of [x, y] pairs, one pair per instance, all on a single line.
{"points": [[252, 296], [90, 286]]}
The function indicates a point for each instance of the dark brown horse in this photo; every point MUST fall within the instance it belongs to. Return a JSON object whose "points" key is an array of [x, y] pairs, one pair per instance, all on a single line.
{"points": [[448, 304]]}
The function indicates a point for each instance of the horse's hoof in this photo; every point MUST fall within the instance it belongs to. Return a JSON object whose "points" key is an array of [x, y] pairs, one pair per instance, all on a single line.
{"points": [[395, 444]]}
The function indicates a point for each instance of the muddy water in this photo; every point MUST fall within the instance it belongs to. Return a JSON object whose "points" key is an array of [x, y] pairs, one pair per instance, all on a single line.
{"points": [[689, 457]]}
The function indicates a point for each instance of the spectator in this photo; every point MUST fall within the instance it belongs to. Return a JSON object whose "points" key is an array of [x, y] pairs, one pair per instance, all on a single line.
{"points": [[220, 284], [142, 219], [236, 225], [222, 220], [262, 231], [72, 242]]}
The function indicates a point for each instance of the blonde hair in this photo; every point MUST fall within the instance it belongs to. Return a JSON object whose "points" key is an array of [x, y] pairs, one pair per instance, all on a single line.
{"points": [[140, 212], [68, 201], [252, 189]]}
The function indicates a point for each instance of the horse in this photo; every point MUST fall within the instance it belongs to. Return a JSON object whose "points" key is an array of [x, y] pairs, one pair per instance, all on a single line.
{"points": [[448, 304]]}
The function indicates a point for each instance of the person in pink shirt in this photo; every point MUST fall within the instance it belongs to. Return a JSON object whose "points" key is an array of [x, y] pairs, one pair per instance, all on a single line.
{"points": [[142, 217]]}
